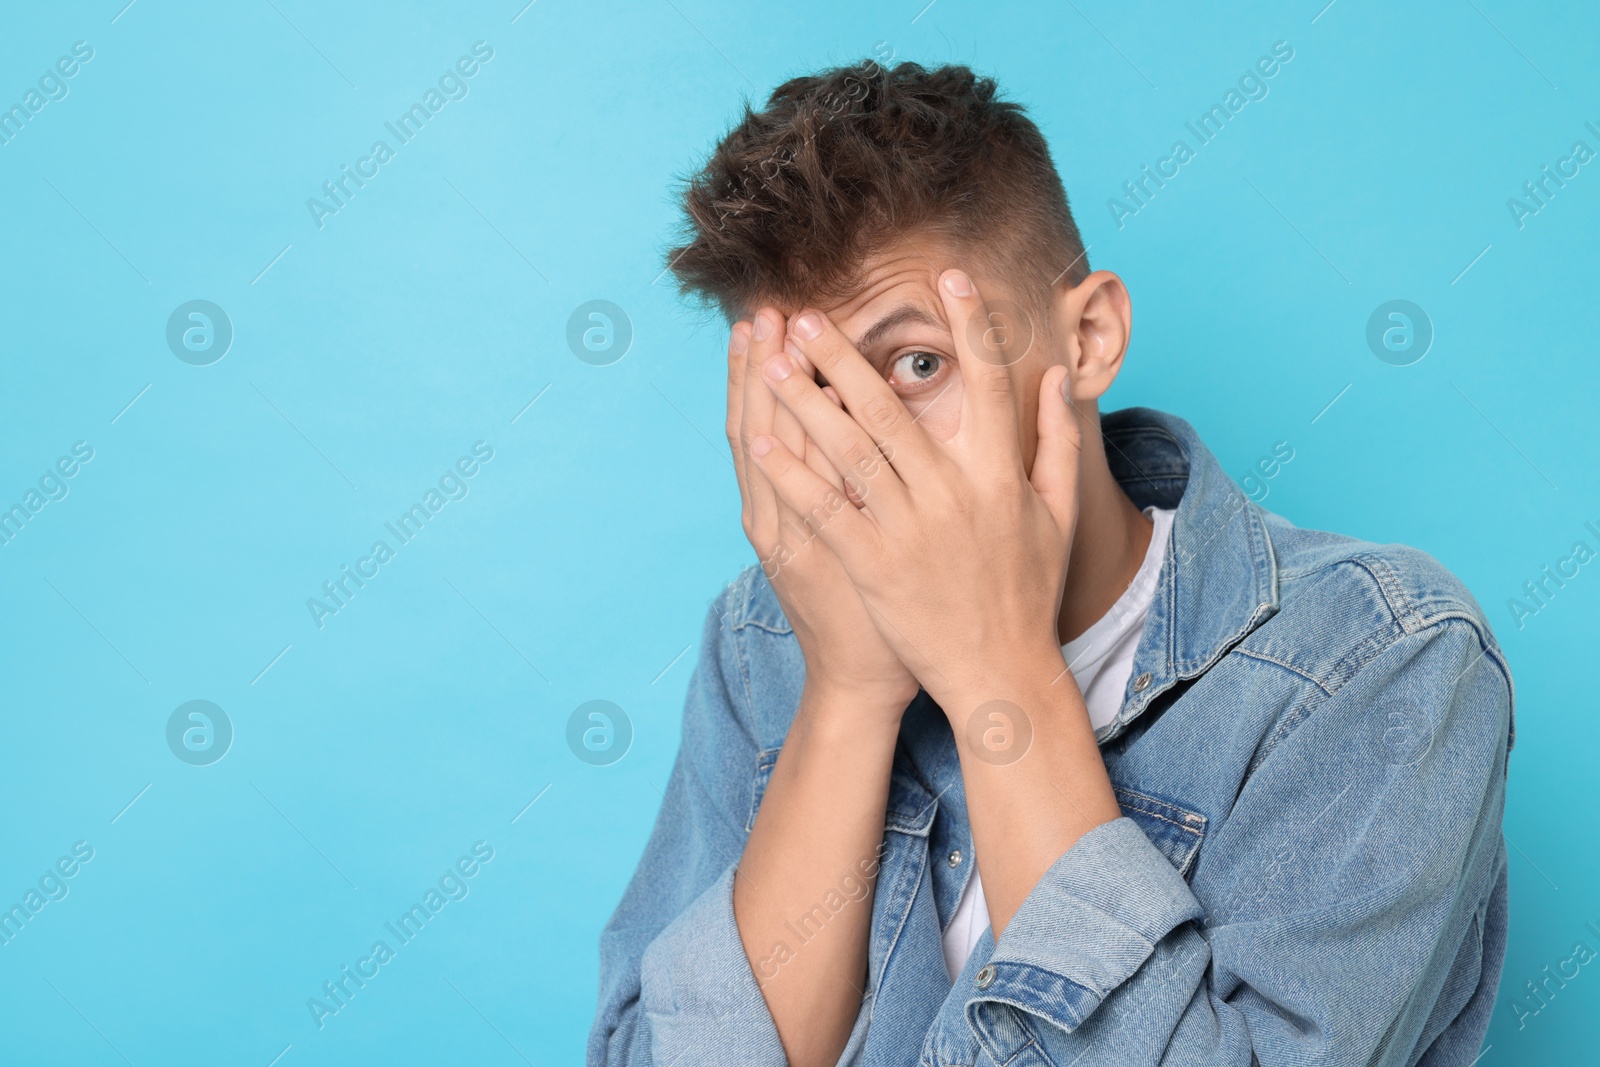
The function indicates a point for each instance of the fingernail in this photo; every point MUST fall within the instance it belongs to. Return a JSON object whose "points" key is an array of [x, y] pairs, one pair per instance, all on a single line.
{"points": [[807, 327], [740, 342], [763, 326], [779, 367], [958, 283], [760, 446]]}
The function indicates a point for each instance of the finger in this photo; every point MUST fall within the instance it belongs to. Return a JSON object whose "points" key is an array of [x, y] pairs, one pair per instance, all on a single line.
{"points": [[791, 525], [792, 539], [797, 532], [846, 444], [987, 342], [852, 487], [759, 408], [845, 530], [818, 461], [867, 397], [787, 429], [1055, 464]]}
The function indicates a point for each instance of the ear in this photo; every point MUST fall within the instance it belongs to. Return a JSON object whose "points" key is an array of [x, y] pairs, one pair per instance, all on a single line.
{"points": [[1094, 318]]}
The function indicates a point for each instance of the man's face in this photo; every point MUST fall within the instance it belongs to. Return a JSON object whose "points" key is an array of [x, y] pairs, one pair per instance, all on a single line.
{"points": [[897, 322]]}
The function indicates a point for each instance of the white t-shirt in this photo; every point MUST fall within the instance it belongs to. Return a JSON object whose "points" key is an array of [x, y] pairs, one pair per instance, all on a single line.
{"points": [[1101, 658]]}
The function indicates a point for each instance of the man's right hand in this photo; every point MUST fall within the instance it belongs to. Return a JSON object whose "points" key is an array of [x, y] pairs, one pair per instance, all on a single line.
{"points": [[845, 655], [819, 831]]}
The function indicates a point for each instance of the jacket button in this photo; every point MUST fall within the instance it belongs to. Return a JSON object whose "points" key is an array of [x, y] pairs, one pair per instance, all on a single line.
{"points": [[985, 976], [1141, 683], [955, 858]]}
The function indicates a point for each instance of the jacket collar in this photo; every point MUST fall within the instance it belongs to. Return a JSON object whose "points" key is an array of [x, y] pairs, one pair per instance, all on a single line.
{"points": [[1219, 577]]}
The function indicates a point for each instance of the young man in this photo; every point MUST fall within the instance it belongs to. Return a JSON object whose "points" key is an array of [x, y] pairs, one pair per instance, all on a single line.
{"points": [[1031, 740]]}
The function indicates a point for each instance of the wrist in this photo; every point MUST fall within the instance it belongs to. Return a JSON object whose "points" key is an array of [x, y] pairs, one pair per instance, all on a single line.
{"points": [[854, 707], [1018, 675], [860, 690]]}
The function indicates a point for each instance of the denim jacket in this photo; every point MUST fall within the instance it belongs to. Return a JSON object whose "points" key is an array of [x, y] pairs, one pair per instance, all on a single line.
{"points": [[1310, 760]]}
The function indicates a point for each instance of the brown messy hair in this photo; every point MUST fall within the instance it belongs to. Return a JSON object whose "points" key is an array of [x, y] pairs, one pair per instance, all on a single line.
{"points": [[842, 164]]}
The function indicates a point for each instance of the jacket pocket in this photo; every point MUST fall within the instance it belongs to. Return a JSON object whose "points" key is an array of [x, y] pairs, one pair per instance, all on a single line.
{"points": [[1177, 832]]}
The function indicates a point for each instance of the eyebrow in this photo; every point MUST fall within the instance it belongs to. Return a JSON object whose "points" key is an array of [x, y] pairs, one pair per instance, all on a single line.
{"points": [[905, 314]]}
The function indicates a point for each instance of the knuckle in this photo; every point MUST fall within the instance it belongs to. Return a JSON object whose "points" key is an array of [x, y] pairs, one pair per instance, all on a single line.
{"points": [[859, 456], [775, 560], [1012, 491], [826, 356], [826, 504], [756, 532], [802, 399], [882, 414], [996, 384], [855, 490], [792, 531], [1007, 496]]}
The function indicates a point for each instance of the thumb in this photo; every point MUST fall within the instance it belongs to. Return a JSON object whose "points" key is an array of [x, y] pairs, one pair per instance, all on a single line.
{"points": [[1055, 464]]}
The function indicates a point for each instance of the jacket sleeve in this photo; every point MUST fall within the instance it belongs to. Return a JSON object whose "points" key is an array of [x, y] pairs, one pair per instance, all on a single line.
{"points": [[675, 985], [1338, 913]]}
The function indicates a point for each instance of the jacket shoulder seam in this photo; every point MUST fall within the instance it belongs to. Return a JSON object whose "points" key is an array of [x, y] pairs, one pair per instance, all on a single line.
{"points": [[1300, 672], [1306, 708]]}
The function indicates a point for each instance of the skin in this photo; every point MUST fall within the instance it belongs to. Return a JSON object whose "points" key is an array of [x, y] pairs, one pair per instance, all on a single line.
{"points": [[992, 533]]}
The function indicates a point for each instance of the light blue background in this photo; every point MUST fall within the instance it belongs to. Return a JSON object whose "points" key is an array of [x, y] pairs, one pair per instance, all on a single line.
{"points": [[429, 312]]}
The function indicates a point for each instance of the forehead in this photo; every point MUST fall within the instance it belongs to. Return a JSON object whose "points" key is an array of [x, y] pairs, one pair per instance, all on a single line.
{"points": [[899, 280]]}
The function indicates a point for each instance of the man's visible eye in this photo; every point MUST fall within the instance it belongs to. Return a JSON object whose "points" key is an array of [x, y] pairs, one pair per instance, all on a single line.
{"points": [[914, 368]]}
